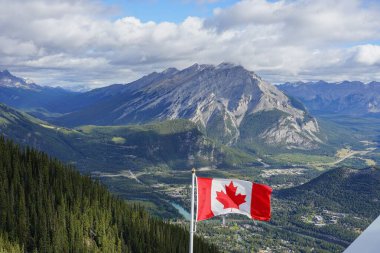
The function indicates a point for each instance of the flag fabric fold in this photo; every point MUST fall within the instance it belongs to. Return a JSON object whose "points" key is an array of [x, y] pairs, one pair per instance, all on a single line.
{"points": [[223, 196]]}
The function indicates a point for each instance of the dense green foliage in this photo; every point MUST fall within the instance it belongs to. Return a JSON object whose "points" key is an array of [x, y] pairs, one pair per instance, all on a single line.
{"points": [[350, 196], [46, 206], [8, 247], [255, 124], [349, 190]]}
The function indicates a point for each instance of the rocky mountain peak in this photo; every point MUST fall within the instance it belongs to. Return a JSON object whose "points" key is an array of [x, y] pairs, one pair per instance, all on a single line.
{"points": [[227, 65], [227, 101], [11, 81], [170, 71], [221, 97], [5, 72]]}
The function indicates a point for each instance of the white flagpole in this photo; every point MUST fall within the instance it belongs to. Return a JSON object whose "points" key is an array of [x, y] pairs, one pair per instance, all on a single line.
{"points": [[192, 212]]}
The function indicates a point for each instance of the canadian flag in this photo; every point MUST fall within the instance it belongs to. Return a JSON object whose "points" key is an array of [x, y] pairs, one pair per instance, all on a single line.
{"points": [[223, 196]]}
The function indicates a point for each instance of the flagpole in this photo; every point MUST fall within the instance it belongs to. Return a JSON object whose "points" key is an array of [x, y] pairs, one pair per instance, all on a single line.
{"points": [[192, 212]]}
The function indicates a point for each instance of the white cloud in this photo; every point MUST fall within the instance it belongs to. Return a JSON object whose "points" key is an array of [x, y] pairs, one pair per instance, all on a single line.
{"points": [[368, 54], [76, 42], [304, 21]]}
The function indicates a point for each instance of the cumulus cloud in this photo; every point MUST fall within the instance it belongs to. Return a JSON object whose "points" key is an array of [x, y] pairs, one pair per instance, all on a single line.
{"points": [[368, 54], [70, 42]]}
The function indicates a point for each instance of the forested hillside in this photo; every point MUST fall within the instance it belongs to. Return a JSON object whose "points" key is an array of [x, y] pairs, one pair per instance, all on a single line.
{"points": [[345, 189], [46, 206], [170, 144]]}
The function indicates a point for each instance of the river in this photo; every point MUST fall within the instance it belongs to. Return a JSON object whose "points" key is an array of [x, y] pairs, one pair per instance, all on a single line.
{"points": [[181, 210]]}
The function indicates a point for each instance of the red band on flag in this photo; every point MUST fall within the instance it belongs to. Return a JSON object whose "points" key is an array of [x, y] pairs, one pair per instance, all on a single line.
{"points": [[204, 198], [260, 202]]}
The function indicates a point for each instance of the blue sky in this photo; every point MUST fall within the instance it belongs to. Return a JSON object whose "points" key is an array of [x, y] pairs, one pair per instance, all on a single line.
{"points": [[175, 10], [166, 10]]}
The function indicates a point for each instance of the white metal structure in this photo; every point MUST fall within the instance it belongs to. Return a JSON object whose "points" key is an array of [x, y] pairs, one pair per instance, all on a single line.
{"points": [[368, 241]]}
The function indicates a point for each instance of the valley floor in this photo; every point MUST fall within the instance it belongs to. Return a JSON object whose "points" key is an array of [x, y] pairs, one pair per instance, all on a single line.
{"points": [[292, 228]]}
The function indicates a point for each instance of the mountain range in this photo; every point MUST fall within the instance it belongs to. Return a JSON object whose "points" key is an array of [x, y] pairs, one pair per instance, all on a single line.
{"points": [[343, 98], [141, 138], [229, 103], [20, 93]]}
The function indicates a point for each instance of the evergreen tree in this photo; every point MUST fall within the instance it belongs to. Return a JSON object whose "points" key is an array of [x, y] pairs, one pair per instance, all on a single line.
{"points": [[46, 206]]}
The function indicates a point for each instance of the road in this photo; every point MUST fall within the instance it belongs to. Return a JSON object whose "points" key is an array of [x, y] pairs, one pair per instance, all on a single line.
{"points": [[350, 154]]}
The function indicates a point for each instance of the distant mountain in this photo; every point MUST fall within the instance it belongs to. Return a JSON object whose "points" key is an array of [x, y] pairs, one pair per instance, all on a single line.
{"points": [[11, 81], [46, 206], [173, 144], [231, 105], [21, 94], [348, 98]]}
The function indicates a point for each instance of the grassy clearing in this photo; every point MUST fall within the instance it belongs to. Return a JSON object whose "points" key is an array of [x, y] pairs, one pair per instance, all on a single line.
{"points": [[298, 158], [3, 121], [369, 162], [118, 140], [341, 153]]}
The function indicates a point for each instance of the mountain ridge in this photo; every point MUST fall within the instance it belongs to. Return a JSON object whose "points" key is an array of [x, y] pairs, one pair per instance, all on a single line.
{"points": [[225, 100], [11, 81], [215, 97], [339, 187], [170, 144], [347, 97], [28, 96]]}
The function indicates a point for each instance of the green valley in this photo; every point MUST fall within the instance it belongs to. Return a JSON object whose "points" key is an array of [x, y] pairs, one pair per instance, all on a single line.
{"points": [[149, 165], [118, 118], [169, 144]]}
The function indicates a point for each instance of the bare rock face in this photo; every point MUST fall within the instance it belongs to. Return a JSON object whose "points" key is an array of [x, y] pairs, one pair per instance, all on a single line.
{"points": [[220, 99], [10, 81], [292, 134]]}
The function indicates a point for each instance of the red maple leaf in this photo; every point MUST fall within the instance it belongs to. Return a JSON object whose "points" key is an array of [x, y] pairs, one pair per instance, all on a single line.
{"points": [[230, 200]]}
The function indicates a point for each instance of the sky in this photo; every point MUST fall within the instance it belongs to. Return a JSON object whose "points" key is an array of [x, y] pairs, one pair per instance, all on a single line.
{"points": [[83, 43]]}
